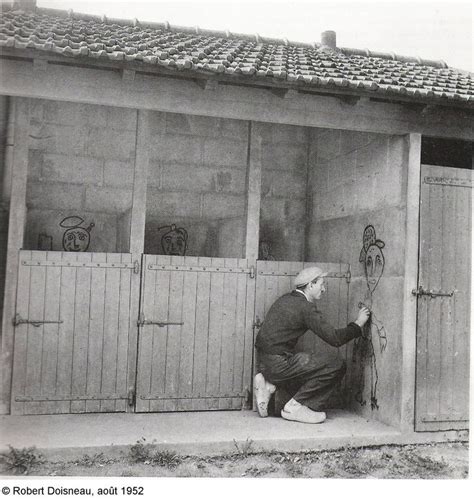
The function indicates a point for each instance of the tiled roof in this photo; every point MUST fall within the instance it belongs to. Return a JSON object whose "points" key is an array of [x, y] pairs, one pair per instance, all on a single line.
{"points": [[251, 58]]}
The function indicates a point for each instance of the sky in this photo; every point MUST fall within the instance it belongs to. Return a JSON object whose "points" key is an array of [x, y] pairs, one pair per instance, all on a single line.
{"points": [[430, 30]]}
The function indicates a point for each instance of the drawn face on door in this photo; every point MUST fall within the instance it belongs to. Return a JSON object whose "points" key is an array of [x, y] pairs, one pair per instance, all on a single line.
{"points": [[372, 257]]}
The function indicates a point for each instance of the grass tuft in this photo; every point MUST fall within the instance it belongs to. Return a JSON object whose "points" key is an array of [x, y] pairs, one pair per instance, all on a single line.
{"points": [[21, 461]]}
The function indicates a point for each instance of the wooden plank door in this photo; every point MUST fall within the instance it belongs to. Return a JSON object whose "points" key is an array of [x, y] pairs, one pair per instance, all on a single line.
{"points": [[195, 334], [75, 332], [274, 279], [443, 329]]}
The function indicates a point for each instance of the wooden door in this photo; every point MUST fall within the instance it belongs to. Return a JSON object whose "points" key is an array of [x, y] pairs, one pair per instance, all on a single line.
{"points": [[75, 332], [195, 335], [274, 279], [442, 365]]}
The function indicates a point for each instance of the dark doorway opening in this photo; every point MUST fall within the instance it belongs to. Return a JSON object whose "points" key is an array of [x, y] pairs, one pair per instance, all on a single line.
{"points": [[447, 152]]}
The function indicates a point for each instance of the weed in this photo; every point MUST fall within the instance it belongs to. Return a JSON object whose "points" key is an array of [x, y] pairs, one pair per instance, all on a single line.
{"points": [[244, 449], [143, 452], [426, 463], [97, 460], [164, 458], [140, 451], [259, 471], [294, 469], [21, 461]]}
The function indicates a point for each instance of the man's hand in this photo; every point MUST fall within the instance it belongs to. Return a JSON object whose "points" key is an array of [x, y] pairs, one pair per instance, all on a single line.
{"points": [[364, 315]]}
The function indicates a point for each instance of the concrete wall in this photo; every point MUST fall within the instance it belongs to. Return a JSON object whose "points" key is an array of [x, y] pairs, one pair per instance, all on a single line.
{"points": [[284, 179], [359, 179], [197, 181], [81, 163], [4, 100]]}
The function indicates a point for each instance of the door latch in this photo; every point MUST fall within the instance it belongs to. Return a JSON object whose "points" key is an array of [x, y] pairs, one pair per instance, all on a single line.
{"points": [[257, 323], [431, 293], [142, 321], [136, 267], [131, 397]]}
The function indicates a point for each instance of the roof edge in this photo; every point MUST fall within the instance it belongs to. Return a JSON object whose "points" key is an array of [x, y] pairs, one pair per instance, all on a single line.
{"points": [[220, 33]]}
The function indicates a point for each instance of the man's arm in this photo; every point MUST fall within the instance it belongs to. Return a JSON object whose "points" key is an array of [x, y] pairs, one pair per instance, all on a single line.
{"points": [[335, 336]]}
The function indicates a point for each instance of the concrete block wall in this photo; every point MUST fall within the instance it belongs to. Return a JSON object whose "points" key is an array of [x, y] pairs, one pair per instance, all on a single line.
{"points": [[284, 180], [4, 101], [197, 180], [81, 163], [359, 179]]}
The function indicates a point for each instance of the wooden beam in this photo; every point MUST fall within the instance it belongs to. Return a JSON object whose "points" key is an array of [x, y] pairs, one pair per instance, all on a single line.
{"points": [[207, 84], [8, 155], [284, 93], [40, 64], [128, 75], [352, 99], [137, 229], [16, 229], [254, 181], [175, 95], [408, 368]]}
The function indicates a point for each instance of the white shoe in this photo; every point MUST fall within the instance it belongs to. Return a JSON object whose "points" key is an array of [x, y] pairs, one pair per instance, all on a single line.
{"points": [[299, 413], [263, 391]]}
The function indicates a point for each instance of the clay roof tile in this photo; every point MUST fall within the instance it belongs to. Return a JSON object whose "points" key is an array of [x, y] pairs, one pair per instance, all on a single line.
{"points": [[250, 56]]}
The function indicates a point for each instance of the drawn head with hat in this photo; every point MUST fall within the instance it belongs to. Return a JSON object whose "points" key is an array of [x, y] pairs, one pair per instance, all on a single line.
{"points": [[310, 281]]}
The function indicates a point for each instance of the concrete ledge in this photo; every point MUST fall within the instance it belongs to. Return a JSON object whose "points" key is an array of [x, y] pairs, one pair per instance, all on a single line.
{"points": [[199, 433]]}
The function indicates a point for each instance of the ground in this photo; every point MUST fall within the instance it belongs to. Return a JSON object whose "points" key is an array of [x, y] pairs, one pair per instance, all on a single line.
{"points": [[427, 461]]}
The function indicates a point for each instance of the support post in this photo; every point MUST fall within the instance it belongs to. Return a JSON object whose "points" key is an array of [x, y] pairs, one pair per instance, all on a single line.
{"points": [[254, 181], [410, 282], [137, 225], [254, 185], [16, 230], [8, 156]]}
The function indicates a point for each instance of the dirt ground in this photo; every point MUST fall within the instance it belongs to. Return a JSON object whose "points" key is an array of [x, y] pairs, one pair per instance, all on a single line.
{"points": [[427, 461]]}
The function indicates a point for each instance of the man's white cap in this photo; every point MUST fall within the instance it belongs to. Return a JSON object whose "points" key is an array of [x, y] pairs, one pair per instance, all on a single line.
{"points": [[307, 275]]}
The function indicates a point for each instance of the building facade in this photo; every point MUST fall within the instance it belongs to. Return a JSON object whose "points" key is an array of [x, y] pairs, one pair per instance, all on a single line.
{"points": [[161, 186]]}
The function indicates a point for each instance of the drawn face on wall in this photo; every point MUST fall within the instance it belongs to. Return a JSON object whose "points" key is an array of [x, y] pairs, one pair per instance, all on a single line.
{"points": [[374, 264], [76, 238], [174, 242], [372, 257]]}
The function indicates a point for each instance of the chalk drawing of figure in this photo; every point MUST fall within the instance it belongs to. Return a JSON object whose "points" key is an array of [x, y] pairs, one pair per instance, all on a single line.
{"points": [[45, 241], [264, 250], [76, 238], [373, 259], [174, 241]]}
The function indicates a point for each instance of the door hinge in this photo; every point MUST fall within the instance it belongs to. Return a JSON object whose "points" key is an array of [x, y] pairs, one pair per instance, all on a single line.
{"points": [[136, 267], [18, 320], [131, 397], [142, 321], [432, 293]]}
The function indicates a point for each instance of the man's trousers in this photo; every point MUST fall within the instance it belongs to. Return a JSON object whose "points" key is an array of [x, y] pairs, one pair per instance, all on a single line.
{"points": [[310, 381]]}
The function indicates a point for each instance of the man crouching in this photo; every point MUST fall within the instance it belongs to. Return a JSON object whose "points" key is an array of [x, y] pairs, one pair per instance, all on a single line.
{"points": [[288, 319]]}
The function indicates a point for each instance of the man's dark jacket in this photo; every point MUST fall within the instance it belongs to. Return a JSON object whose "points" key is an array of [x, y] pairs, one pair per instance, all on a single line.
{"points": [[290, 317]]}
